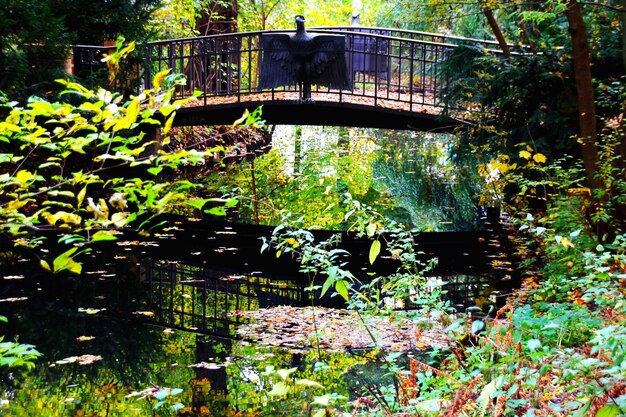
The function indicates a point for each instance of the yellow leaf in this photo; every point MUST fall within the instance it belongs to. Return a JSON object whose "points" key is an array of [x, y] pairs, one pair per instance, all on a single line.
{"points": [[168, 123], [158, 78], [539, 158], [23, 176], [524, 154], [15, 205], [242, 119], [44, 265], [567, 243], [81, 196], [68, 218], [132, 111]]}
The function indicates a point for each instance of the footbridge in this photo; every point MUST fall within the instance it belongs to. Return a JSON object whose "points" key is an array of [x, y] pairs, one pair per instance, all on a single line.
{"points": [[396, 79]]}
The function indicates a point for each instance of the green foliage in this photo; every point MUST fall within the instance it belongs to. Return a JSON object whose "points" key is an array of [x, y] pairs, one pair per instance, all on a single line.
{"points": [[330, 163], [88, 166], [527, 99], [16, 355], [33, 47], [554, 326], [422, 178], [93, 22]]}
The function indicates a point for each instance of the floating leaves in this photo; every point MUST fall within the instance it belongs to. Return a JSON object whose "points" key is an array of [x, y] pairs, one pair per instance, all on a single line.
{"points": [[144, 313], [80, 360], [336, 330], [91, 311], [81, 339]]}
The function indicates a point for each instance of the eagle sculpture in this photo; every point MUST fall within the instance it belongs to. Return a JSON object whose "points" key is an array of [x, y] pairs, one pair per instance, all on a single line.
{"points": [[303, 59]]}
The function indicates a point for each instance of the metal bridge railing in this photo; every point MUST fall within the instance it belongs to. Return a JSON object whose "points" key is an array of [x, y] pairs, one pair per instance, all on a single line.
{"points": [[389, 67]]}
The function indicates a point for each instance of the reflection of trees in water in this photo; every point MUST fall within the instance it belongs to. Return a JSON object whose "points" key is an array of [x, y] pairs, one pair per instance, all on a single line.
{"points": [[419, 174]]}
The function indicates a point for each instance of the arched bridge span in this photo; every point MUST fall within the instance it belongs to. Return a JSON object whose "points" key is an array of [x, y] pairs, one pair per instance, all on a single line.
{"points": [[397, 79]]}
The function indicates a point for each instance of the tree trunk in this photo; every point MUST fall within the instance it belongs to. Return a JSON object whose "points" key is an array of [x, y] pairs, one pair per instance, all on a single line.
{"points": [[587, 124], [622, 16], [493, 23]]}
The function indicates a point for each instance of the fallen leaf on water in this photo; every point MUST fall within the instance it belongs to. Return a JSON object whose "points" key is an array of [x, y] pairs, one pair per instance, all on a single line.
{"points": [[84, 338], [90, 310], [81, 360], [144, 313], [14, 277], [13, 299]]}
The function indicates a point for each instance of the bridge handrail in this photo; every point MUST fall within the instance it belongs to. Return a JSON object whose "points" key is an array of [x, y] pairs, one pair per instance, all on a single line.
{"points": [[404, 32], [311, 30]]}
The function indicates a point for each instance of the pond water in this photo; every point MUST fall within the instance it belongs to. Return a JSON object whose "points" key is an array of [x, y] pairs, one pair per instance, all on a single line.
{"points": [[138, 336], [104, 356]]}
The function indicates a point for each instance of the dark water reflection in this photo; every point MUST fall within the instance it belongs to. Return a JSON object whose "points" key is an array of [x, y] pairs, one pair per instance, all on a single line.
{"points": [[105, 316]]}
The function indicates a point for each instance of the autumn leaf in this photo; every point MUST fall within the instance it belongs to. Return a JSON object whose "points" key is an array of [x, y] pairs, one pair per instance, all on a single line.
{"points": [[539, 158], [525, 155], [158, 78]]}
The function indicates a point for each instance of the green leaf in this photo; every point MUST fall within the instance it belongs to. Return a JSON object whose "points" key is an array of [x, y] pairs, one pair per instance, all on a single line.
{"points": [[197, 203], [374, 251], [324, 400], [216, 211], [610, 410], [309, 383], [534, 344], [155, 170], [176, 407], [65, 262], [161, 394], [371, 229], [582, 412], [284, 373], [342, 288], [279, 389], [332, 276], [103, 235]]}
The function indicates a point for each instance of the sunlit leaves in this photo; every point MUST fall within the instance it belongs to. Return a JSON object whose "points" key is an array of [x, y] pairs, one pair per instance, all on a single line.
{"points": [[159, 77], [56, 151], [65, 262], [374, 251], [103, 235], [61, 216]]}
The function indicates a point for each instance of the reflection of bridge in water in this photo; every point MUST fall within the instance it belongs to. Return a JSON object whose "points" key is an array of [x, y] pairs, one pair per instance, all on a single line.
{"points": [[397, 78], [206, 272]]}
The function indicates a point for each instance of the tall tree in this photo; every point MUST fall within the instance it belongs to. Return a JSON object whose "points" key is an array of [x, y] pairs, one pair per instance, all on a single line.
{"points": [[581, 57]]}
